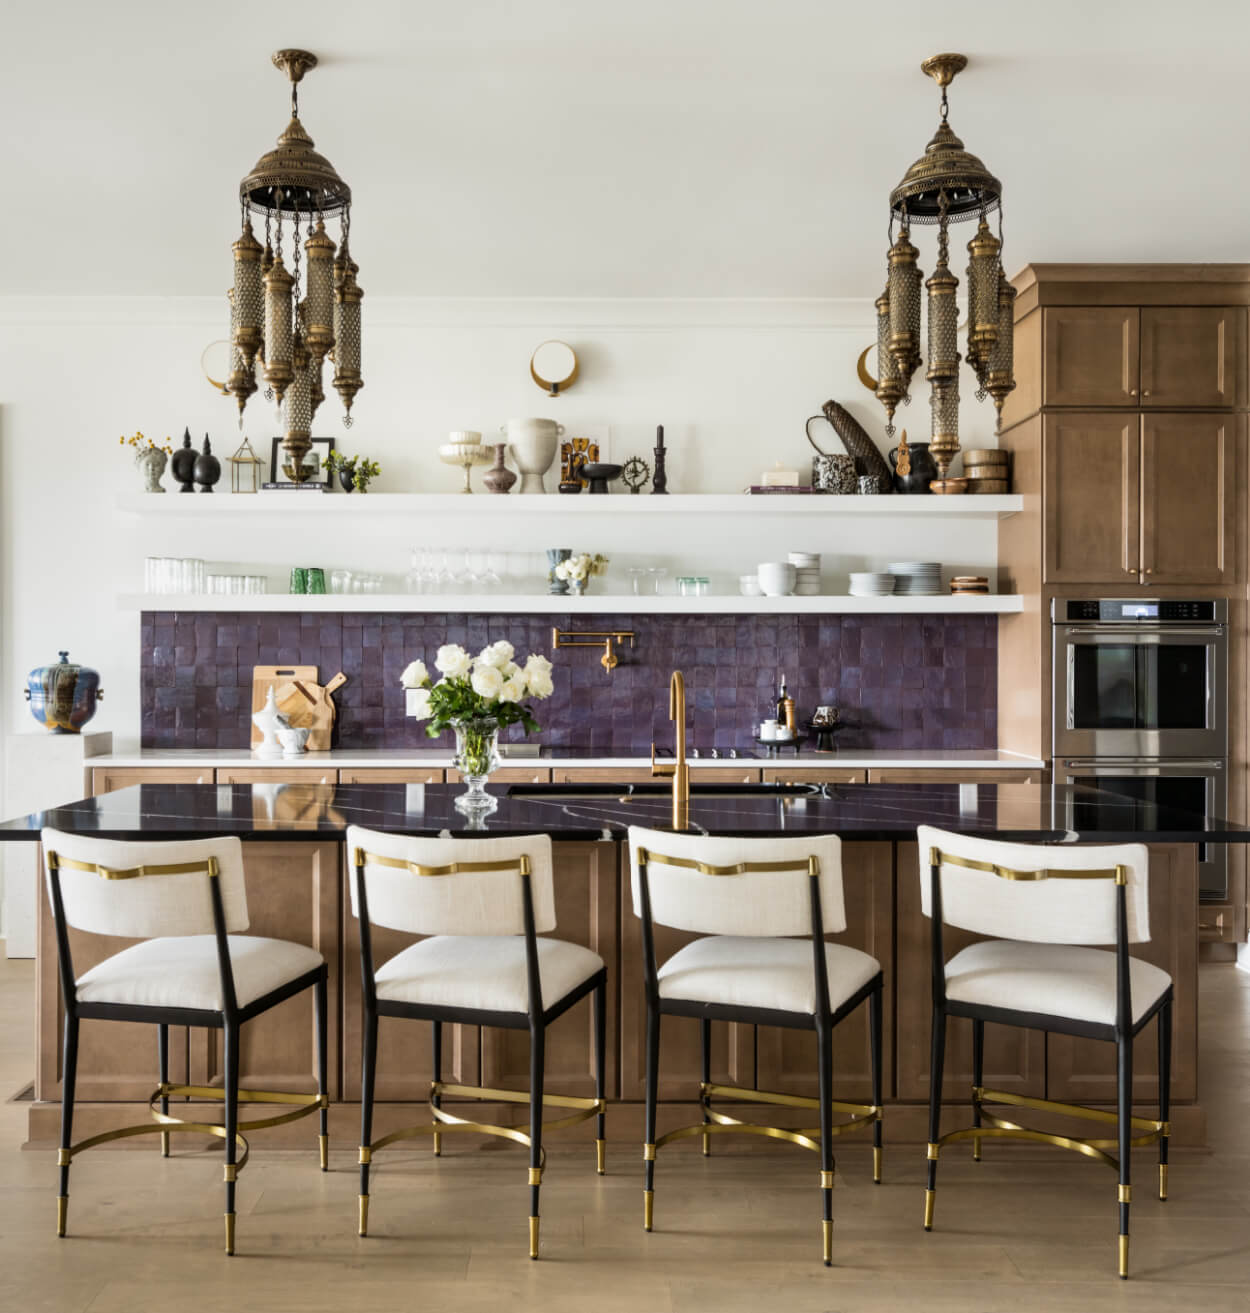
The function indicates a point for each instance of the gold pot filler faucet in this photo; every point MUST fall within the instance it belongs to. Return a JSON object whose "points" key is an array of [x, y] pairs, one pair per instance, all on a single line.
{"points": [[678, 770]]}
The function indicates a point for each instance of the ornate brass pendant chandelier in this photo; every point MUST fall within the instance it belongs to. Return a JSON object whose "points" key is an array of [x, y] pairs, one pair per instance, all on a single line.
{"points": [[945, 185], [270, 326]]}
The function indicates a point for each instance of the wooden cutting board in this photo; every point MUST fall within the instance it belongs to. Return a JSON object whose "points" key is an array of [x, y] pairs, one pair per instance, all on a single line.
{"points": [[306, 704], [266, 677]]}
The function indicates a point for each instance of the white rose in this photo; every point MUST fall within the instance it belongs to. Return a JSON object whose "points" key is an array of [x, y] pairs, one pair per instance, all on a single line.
{"points": [[420, 703], [510, 669], [536, 663], [512, 690], [487, 682], [540, 684], [415, 675], [453, 660], [562, 570], [497, 655]]}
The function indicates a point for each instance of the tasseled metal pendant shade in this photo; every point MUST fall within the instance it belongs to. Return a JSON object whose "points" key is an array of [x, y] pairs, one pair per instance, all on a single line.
{"points": [[945, 185], [294, 186]]}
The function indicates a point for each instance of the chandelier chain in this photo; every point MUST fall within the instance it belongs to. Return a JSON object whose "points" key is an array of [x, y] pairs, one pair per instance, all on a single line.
{"points": [[295, 268]]}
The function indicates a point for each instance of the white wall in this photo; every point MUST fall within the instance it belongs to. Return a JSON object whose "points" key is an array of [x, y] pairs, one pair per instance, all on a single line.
{"points": [[732, 382]]}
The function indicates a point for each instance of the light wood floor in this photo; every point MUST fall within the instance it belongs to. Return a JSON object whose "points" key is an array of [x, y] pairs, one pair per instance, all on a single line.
{"points": [[1024, 1230]]}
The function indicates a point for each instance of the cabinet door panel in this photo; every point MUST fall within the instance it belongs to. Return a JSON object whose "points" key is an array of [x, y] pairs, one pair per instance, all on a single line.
{"points": [[1091, 496], [1015, 1059], [106, 779], [277, 775], [586, 908], [293, 892], [1190, 355], [1091, 356], [940, 775], [391, 775], [814, 775], [786, 1059], [1083, 1070], [1187, 496]]}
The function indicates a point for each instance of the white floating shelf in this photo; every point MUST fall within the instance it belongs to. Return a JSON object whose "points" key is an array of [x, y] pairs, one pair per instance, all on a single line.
{"points": [[494, 507], [592, 604]]}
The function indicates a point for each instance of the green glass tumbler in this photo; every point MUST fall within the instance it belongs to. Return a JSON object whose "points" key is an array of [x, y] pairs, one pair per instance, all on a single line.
{"points": [[299, 579], [316, 579]]}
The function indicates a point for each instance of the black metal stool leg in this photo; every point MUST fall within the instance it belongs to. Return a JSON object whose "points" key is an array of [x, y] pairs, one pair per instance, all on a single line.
{"points": [[705, 1035], [978, 1071], [936, 1059], [538, 1039], [1164, 1022], [601, 1030], [875, 1002], [436, 1045], [1124, 1092], [648, 1148], [162, 1058], [368, 1070], [69, 1074], [824, 1063], [323, 1081], [231, 1122]]}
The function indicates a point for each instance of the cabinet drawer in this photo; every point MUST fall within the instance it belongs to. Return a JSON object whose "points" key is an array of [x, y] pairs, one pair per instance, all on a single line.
{"points": [[391, 775], [105, 779], [642, 775], [277, 775], [901, 775], [814, 775], [510, 775]]}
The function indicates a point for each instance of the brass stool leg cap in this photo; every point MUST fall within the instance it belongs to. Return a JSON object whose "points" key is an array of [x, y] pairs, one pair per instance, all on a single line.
{"points": [[707, 1146], [827, 1237], [1124, 1258], [877, 1155], [62, 1212], [648, 1208], [164, 1144], [928, 1209], [323, 1145], [362, 1225], [533, 1237], [438, 1144], [229, 1233], [976, 1148], [1163, 1181], [601, 1156]]}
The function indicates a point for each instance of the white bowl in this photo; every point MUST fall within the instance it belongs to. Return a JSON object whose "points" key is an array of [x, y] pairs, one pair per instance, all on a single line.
{"points": [[749, 585], [777, 578]]}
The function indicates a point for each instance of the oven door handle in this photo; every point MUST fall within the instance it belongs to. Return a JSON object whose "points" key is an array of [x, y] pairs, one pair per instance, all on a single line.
{"points": [[1111, 764], [1151, 631]]}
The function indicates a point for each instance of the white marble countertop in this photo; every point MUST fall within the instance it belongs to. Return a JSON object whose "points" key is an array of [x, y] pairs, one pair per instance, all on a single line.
{"points": [[401, 758]]}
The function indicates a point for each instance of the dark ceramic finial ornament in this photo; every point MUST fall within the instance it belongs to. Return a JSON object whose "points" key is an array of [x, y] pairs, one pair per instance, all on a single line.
{"points": [[207, 467], [182, 463], [659, 480]]}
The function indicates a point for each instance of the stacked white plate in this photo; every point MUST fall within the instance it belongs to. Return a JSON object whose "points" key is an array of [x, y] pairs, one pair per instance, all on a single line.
{"points": [[917, 578], [871, 584], [807, 573]]}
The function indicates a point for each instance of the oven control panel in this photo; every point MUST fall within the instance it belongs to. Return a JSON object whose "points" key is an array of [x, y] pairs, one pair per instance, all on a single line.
{"points": [[1122, 609]]}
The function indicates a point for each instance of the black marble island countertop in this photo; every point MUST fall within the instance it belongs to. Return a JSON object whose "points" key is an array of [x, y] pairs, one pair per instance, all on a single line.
{"points": [[881, 812]]}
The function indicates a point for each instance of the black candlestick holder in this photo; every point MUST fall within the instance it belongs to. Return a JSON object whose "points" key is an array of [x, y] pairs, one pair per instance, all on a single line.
{"points": [[659, 480]]}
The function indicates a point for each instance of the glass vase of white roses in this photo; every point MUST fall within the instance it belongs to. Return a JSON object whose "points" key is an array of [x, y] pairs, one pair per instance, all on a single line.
{"points": [[477, 696]]}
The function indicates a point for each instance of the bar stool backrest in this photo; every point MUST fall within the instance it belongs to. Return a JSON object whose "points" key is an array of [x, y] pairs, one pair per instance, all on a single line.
{"points": [[453, 902], [767, 903], [129, 893], [1005, 903]]}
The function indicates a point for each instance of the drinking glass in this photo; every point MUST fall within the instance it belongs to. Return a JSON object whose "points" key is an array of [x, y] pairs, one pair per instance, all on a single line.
{"points": [[414, 580], [340, 581], [658, 574]]}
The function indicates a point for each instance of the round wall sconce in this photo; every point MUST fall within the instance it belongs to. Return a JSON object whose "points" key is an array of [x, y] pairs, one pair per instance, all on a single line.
{"points": [[215, 362], [553, 366]]}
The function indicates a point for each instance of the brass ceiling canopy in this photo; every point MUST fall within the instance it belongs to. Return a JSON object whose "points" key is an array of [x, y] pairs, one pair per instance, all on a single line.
{"points": [[946, 184], [274, 331]]}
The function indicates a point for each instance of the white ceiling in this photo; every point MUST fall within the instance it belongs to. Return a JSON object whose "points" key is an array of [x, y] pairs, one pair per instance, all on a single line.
{"points": [[622, 148]]}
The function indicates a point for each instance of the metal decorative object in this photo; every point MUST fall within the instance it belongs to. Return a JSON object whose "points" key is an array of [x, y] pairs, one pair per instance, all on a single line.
{"points": [[636, 472], [245, 467], [945, 185], [271, 322]]}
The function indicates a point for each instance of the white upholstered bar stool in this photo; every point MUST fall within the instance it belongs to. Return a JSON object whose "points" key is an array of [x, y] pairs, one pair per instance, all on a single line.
{"points": [[747, 897], [487, 905], [1045, 906], [186, 903]]}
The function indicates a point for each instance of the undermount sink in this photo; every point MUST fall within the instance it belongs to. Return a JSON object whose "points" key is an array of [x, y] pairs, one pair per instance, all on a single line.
{"points": [[659, 789]]}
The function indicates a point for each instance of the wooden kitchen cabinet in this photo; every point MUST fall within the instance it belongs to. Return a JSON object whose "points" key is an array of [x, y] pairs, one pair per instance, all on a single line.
{"points": [[292, 893], [1091, 356], [510, 775], [1091, 498], [815, 775], [785, 1059], [1191, 355], [940, 775], [277, 775], [587, 900], [106, 779], [391, 775], [1015, 1059], [748, 774], [1187, 498]]}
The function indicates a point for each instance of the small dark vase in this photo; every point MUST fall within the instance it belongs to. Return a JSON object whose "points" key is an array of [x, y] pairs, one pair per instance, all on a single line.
{"points": [[182, 464], [499, 478], [600, 473], [923, 469], [347, 477], [207, 467]]}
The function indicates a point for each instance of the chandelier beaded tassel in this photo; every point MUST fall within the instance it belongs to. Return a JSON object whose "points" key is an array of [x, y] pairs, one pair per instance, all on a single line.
{"points": [[946, 185], [293, 330]]}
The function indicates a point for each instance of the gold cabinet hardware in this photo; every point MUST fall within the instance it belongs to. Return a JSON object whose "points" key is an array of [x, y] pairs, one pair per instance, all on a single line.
{"points": [[595, 638], [1132, 392]]}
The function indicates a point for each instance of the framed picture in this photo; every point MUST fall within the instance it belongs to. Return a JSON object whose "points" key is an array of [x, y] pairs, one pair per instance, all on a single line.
{"points": [[314, 462]]}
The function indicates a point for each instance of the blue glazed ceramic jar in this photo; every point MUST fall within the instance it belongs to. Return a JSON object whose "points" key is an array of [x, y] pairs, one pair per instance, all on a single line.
{"points": [[63, 696]]}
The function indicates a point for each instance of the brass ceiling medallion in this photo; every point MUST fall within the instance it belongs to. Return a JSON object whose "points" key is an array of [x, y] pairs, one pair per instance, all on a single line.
{"points": [[294, 187], [945, 185]]}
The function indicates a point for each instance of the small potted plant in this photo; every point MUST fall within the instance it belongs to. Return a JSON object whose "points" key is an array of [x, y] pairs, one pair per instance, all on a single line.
{"points": [[353, 471], [577, 570], [366, 472]]}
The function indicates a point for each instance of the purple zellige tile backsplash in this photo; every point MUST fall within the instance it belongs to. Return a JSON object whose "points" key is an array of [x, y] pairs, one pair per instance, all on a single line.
{"points": [[908, 681]]}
